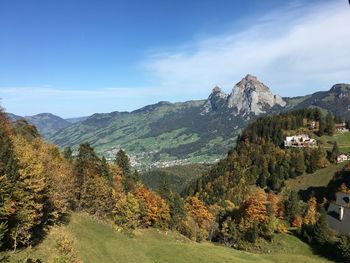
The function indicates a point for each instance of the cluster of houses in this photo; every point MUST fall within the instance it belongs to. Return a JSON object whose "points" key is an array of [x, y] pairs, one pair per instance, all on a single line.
{"points": [[300, 141]]}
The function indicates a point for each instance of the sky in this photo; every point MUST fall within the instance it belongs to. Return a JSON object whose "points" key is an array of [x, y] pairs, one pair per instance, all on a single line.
{"points": [[75, 58]]}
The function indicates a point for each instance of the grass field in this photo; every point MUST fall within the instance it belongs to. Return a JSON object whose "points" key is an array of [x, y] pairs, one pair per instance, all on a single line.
{"points": [[342, 139], [317, 179], [98, 242]]}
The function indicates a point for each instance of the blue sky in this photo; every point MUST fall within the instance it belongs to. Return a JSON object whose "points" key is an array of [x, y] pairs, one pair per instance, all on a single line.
{"points": [[74, 58]]}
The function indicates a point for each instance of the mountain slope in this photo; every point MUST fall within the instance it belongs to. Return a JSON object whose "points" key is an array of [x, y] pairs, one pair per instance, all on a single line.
{"points": [[167, 133], [46, 123], [336, 100]]}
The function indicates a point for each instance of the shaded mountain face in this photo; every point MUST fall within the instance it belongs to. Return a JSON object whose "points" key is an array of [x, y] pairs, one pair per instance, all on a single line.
{"points": [[47, 123], [336, 100], [166, 134]]}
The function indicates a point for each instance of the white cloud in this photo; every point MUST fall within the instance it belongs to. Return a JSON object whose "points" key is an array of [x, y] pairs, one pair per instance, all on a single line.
{"points": [[295, 51]]}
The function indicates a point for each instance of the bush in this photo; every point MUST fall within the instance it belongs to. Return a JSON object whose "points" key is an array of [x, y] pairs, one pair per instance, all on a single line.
{"points": [[343, 246]]}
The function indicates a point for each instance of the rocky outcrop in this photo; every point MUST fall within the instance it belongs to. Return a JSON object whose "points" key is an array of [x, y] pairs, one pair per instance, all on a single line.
{"points": [[249, 96]]}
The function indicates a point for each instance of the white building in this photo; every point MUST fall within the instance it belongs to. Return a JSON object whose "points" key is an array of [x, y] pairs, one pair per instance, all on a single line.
{"points": [[341, 127], [342, 158], [338, 214], [299, 141]]}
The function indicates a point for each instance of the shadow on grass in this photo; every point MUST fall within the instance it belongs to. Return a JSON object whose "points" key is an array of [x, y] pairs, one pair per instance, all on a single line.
{"points": [[328, 251], [39, 235], [317, 191]]}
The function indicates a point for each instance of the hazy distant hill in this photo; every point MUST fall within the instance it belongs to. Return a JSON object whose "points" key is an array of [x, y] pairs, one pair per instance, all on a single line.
{"points": [[47, 123], [77, 119]]}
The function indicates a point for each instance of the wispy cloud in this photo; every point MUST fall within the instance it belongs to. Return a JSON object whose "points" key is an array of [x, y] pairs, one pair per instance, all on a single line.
{"points": [[295, 51]]}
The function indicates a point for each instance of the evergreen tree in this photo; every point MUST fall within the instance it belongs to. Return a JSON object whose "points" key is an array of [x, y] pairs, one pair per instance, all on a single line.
{"points": [[177, 211], [330, 126], [322, 232], [334, 153], [105, 171], [68, 154], [87, 164], [164, 187], [300, 163], [292, 206], [123, 161], [129, 178]]}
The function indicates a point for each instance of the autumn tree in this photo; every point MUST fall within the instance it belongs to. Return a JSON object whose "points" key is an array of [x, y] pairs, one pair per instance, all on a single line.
{"points": [[154, 209], [8, 178], [310, 216], [127, 211], [199, 219]]}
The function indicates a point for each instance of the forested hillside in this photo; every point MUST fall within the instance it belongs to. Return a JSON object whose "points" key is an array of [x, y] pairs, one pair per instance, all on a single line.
{"points": [[238, 204]]}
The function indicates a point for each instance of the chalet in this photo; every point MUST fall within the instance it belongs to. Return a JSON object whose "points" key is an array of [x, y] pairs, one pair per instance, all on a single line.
{"points": [[299, 141], [342, 158], [338, 214], [341, 127]]}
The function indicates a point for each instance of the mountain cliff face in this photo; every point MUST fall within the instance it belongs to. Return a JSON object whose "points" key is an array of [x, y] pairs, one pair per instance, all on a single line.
{"points": [[248, 97]]}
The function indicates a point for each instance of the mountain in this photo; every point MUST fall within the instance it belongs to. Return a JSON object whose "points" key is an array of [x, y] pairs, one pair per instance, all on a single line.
{"points": [[166, 134], [336, 100], [13, 117], [46, 123], [248, 97]]}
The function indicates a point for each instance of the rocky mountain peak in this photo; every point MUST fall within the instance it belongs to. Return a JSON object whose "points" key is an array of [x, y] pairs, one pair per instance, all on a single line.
{"points": [[340, 87], [249, 96], [218, 92], [341, 90]]}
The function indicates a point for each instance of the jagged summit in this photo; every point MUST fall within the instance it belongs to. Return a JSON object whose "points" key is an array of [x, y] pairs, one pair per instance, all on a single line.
{"points": [[340, 88], [249, 96]]}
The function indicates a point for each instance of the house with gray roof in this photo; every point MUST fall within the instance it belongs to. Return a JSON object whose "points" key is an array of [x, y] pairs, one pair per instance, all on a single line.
{"points": [[338, 214]]}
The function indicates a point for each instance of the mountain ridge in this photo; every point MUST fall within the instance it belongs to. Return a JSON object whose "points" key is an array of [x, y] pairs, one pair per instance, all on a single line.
{"points": [[166, 133]]}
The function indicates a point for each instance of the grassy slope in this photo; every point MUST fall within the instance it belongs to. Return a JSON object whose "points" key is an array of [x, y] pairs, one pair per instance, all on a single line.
{"points": [[342, 139], [179, 176], [97, 242], [319, 178]]}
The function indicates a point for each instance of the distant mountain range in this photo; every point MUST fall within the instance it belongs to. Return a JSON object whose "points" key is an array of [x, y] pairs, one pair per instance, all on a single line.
{"points": [[166, 134]]}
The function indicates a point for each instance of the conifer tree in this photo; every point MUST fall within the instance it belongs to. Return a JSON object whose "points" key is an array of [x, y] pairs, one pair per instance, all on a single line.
{"points": [[335, 152], [322, 232], [164, 187], [68, 154]]}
